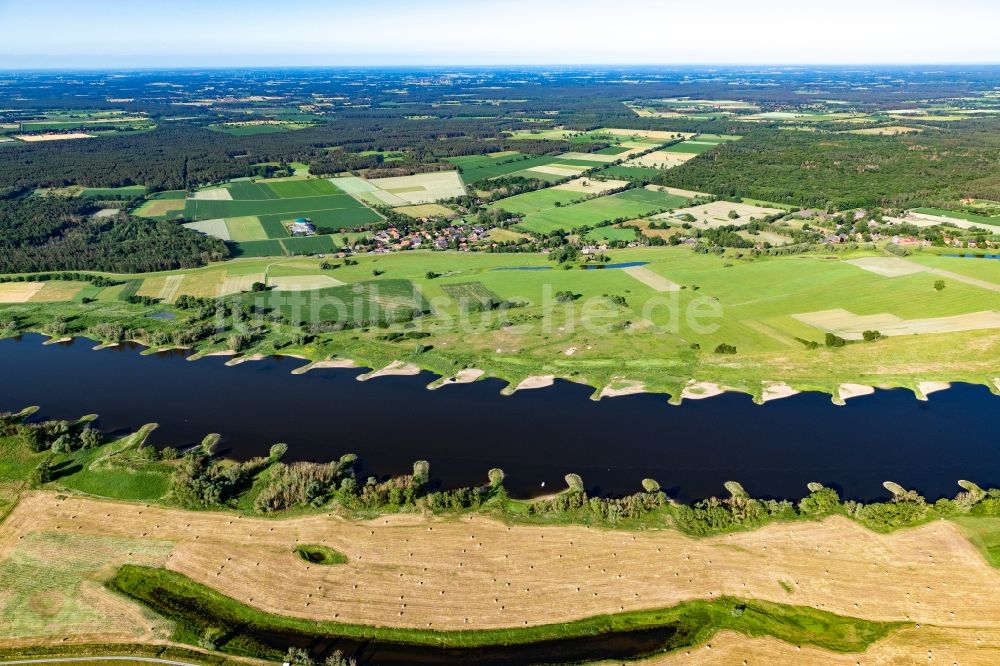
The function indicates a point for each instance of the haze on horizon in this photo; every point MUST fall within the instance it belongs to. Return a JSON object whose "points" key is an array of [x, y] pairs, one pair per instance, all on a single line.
{"points": [[253, 33]]}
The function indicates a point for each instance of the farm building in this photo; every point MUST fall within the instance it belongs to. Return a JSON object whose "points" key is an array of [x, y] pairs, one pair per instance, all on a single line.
{"points": [[302, 227]]}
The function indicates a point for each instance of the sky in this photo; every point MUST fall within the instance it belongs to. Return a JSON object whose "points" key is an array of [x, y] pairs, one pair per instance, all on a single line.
{"points": [[254, 33]]}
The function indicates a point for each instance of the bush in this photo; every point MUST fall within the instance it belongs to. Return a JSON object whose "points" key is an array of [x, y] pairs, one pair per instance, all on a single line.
{"points": [[723, 348], [819, 503], [871, 336]]}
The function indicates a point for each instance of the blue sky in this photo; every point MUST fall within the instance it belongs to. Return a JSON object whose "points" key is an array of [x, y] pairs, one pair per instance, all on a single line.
{"points": [[111, 33]]}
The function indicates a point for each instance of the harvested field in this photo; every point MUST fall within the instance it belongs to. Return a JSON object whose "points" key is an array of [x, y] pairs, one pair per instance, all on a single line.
{"points": [[160, 207], [952, 645], [851, 326], [591, 186], [171, 285], [353, 185], [236, 283], [53, 136], [212, 194], [476, 573], [891, 130], [383, 198], [302, 282], [896, 267], [423, 187], [19, 292], [660, 159], [216, 227], [246, 228], [691, 194], [58, 290], [589, 157], [716, 214], [426, 210], [557, 170], [652, 280], [51, 588], [887, 266], [505, 235]]}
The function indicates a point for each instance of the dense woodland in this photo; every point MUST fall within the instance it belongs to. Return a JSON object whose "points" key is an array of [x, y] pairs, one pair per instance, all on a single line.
{"points": [[56, 233], [850, 170]]}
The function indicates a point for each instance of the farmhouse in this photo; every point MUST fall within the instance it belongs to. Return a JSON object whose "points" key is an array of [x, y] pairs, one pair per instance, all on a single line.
{"points": [[302, 227]]}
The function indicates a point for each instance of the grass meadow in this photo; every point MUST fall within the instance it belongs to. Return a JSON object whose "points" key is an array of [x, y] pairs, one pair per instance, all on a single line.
{"points": [[629, 204]]}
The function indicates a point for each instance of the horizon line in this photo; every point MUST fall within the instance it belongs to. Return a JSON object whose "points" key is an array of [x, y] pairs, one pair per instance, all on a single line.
{"points": [[494, 65]]}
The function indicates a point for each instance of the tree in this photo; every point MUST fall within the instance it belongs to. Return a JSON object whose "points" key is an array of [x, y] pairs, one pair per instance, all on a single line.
{"points": [[939, 285], [421, 472], [496, 477], [91, 438], [574, 482], [833, 340], [42, 473]]}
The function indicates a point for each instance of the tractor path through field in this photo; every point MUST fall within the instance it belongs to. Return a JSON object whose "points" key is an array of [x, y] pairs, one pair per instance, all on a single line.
{"points": [[170, 287]]}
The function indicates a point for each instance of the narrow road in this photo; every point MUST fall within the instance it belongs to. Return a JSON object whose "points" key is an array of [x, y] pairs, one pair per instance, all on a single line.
{"points": [[67, 660]]}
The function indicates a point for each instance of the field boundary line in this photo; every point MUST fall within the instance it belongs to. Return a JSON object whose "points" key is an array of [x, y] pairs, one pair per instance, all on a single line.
{"points": [[66, 660]]}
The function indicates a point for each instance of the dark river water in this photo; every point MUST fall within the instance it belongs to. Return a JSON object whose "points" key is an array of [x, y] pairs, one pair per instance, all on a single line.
{"points": [[535, 436]]}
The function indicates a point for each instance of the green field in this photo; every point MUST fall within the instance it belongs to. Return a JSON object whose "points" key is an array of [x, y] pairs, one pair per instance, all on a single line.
{"points": [[474, 168], [470, 292], [629, 204], [337, 211], [311, 187], [358, 303], [611, 234], [264, 248], [248, 190], [690, 147], [170, 195], [968, 217], [630, 172], [272, 227], [127, 192], [538, 200], [758, 297], [612, 150], [309, 245]]}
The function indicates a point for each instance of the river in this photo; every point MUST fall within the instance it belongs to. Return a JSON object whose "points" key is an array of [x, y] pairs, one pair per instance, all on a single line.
{"points": [[536, 436]]}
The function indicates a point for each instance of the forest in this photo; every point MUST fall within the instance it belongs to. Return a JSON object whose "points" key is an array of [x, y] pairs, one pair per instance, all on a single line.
{"points": [[57, 233], [849, 170]]}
